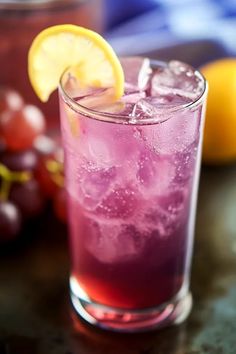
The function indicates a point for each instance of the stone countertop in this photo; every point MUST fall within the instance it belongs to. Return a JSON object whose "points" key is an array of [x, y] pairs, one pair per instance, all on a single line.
{"points": [[36, 318]]}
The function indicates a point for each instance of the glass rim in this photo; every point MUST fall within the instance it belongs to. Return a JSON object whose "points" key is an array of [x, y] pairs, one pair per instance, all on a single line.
{"points": [[122, 119]]}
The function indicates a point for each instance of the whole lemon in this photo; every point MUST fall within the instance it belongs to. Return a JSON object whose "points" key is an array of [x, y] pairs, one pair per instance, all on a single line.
{"points": [[219, 144]]}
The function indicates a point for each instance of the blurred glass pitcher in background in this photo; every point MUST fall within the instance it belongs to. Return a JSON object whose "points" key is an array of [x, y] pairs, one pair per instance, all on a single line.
{"points": [[20, 21]]}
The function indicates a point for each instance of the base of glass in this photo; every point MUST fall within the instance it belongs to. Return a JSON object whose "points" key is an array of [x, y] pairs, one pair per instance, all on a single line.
{"points": [[173, 312]]}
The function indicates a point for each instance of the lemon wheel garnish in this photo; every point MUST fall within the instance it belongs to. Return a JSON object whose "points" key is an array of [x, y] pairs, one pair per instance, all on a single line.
{"points": [[59, 47]]}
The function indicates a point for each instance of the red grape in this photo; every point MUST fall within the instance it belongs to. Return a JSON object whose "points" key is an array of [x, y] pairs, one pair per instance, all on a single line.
{"points": [[28, 197], [59, 204], [10, 221], [50, 155], [45, 179], [2, 146], [20, 128], [44, 145], [20, 161], [10, 100]]}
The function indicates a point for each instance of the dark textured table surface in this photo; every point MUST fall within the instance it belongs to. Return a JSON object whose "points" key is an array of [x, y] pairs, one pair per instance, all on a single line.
{"points": [[35, 315]]}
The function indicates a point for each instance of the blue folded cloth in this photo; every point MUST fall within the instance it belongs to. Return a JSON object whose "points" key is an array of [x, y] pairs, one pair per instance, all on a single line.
{"points": [[118, 11], [149, 25]]}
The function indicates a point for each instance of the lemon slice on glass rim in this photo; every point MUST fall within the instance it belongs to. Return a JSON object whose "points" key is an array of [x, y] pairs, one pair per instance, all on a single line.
{"points": [[57, 48]]}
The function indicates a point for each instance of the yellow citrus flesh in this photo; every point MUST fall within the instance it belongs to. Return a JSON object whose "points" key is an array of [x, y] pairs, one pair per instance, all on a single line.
{"points": [[219, 145], [59, 47]]}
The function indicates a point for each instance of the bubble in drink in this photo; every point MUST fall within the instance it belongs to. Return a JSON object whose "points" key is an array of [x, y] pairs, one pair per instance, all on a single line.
{"points": [[120, 203]]}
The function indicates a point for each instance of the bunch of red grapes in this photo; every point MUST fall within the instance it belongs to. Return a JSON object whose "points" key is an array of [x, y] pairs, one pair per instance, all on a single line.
{"points": [[31, 166]]}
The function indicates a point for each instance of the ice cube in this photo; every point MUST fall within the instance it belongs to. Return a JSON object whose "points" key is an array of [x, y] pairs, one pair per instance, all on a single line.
{"points": [[112, 108], [98, 151], [172, 203], [158, 221], [148, 108], [124, 106], [155, 173], [106, 145], [95, 143], [133, 97], [93, 186], [147, 168], [97, 98], [102, 243], [142, 110], [184, 162], [120, 203], [165, 213], [137, 73], [74, 88], [174, 133], [178, 82], [111, 243]]}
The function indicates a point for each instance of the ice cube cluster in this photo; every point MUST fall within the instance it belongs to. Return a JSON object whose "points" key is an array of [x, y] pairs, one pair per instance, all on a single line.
{"points": [[125, 211], [149, 90], [133, 181]]}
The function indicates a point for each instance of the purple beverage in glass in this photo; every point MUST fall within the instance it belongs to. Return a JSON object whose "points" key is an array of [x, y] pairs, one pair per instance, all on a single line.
{"points": [[132, 171]]}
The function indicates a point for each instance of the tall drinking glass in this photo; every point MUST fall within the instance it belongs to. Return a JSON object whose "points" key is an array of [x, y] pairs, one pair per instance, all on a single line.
{"points": [[132, 173]]}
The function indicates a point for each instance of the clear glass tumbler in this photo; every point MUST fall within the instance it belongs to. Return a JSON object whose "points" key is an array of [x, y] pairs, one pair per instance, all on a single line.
{"points": [[132, 173]]}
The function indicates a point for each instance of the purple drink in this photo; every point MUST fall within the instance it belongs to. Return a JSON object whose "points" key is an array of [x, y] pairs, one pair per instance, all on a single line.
{"points": [[132, 170]]}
